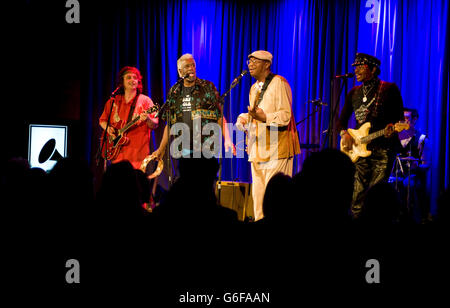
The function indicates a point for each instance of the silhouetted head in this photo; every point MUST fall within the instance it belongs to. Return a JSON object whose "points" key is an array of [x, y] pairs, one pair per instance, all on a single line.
{"points": [[119, 192], [144, 185], [381, 205], [73, 180], [278, 198], [200, 169], [325, 186]]}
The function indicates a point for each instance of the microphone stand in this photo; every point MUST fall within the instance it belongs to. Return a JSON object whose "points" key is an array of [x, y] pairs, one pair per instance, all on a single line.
{"points": [[317, 108], [332, 112], [222, 100], [103, 142], [169, 161]]}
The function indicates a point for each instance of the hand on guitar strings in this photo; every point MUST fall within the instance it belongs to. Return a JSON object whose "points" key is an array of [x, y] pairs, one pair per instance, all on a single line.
{"points": [[144, 117], [112, 131], [257, 114], [347, 141], [389, 131]]}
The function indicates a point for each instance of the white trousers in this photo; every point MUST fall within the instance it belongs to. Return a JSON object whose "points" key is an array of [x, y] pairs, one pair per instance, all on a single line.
{"points": [[261, 174]]}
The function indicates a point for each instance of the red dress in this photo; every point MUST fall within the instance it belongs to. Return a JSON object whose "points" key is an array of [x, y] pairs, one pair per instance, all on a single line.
{"points": [[138, 146]]}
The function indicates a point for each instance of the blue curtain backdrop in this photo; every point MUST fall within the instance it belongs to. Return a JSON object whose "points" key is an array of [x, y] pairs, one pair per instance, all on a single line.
{"points": [[311, 41]]}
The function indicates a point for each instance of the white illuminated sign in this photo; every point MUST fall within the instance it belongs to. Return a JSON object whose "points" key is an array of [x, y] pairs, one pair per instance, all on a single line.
{"points": [[46, 145]]}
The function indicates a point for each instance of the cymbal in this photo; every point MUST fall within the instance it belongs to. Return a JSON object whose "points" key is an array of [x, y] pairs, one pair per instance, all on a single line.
{"points": [[410, 158]]}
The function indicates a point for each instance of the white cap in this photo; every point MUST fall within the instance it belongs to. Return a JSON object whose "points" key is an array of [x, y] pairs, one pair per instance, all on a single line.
{"points": [[262, 55]]}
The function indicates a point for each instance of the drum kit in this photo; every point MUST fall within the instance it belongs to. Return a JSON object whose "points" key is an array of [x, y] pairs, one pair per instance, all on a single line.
{"points": [[398, 167]]}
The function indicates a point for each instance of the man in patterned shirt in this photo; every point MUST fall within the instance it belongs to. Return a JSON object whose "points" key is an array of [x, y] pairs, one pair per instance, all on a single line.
{"points": [[193, 103]]}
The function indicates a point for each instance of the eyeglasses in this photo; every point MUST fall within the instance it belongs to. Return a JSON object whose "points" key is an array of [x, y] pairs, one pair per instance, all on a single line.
{"points": [[253, 61]]}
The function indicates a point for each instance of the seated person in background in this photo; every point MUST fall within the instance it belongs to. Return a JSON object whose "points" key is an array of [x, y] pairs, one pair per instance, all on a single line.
{"points": [[413, 168]]}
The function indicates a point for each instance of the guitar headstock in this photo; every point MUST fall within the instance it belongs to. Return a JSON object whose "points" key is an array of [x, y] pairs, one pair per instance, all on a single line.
{"points": [[401, 126], [152, 109]]}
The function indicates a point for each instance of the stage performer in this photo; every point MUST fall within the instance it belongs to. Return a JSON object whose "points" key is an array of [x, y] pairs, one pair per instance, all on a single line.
{"points": [[270, 126], [128, 104], [415, 165], [380, 103], [192, 99]]}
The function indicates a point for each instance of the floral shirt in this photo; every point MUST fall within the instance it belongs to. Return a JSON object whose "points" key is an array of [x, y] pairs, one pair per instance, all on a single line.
{"points": [[205, 103]]}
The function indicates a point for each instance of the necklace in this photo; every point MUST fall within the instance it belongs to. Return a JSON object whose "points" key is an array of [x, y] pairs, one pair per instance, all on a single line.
{"points": [[365, 92]]}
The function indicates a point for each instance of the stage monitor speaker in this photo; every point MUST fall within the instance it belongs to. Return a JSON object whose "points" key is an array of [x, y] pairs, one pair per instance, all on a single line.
{"points": [[236, 196]]}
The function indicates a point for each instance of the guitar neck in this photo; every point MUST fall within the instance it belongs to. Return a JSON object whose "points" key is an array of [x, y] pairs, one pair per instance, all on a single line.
{"points": [[132, 122], [128, 125], [372, 136]]}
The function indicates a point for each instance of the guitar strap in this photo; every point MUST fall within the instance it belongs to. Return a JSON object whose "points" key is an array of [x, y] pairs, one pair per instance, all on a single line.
{"points": [[258, 99], [378, 100], [133, 105], [264, 88]]}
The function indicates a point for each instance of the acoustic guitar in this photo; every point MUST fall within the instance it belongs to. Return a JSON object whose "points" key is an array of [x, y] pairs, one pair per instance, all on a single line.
{"points": [[114, 144], [361, 138]]}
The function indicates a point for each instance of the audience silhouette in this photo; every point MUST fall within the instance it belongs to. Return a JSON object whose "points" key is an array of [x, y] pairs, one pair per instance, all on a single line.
{"points": [[191, 199], [122, 192], [278, 200], [381, 206], [324, 189], [443, 209], [71, 195], [44, 208]]}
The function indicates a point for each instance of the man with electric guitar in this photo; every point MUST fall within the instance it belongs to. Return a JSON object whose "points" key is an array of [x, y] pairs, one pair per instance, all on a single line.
{"points": [[128, 117], [378, 109], [270, 126]]}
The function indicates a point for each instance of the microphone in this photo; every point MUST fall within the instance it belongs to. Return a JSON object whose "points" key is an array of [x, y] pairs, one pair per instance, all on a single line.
{"points": [[116, 91], [236, 80], [348, 75], [182, 78], [317, 102], [177, 84]]}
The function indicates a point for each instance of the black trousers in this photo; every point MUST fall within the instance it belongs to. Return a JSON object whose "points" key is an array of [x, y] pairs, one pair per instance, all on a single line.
{"points": [[369, 171]]}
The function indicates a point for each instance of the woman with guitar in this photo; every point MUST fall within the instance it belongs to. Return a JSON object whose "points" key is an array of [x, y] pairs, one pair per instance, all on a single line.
{"points": [[378, 109], [128, 117]]}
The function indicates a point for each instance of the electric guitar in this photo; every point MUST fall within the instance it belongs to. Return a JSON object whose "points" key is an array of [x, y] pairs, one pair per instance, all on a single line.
{"points": [[114, 144], [249, 117], [361, 138]]}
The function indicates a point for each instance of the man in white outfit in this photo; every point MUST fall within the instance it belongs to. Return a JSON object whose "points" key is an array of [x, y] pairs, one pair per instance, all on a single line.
{"points": [[272, 134]]}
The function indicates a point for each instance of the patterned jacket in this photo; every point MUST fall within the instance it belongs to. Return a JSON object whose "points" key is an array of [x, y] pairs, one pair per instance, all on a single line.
{"points": [[206, 103]]}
